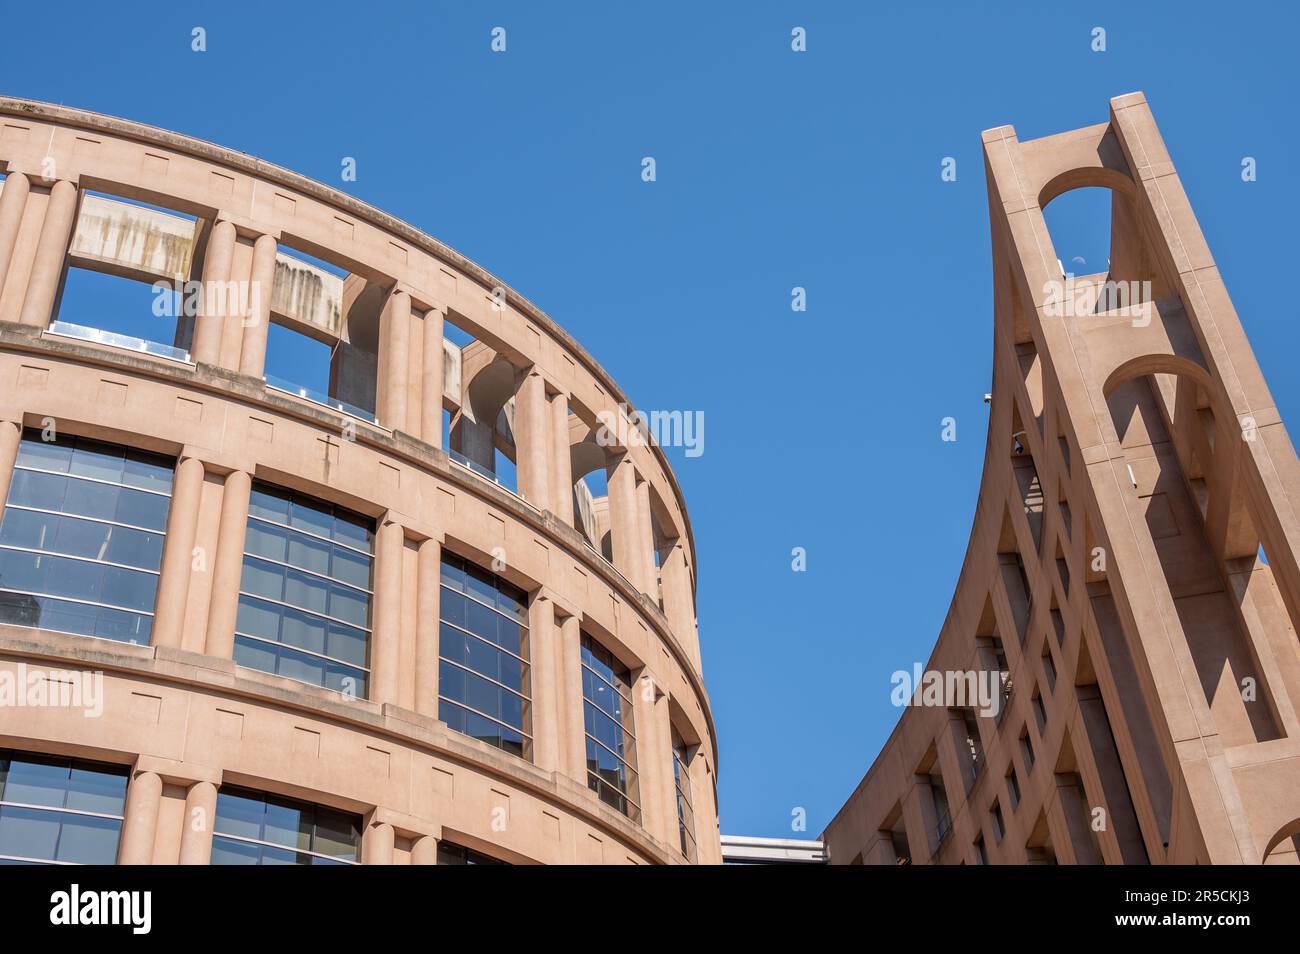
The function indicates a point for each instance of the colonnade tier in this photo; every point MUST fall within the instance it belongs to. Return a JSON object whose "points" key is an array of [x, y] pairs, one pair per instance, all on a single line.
{"points": [[1116, 680], [179, 711]]}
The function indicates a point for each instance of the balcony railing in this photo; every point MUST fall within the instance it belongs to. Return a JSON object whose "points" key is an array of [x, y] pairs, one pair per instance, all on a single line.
{"points": [[316, 397], [67, 329]]}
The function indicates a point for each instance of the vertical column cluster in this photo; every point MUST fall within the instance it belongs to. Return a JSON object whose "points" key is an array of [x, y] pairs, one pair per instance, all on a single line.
{"points": [[32, 277]]}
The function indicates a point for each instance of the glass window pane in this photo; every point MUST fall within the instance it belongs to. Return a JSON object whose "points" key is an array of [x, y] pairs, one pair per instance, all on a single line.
{"points": [[348, 644], [306, 591], [257, 618], [304, 668], [262, 579], [35, 780], [308, 553], [87, 840], [349, 605], [239, 814], [228, 852], [351, 568], [265, 540], [140, 509], [122, 626], [94, 790], [254, 655], [97, 461], [29, 832], [287, 823], [312, 519], [303, 631], [44, 455], [42, 491], [147, 472], [269, 504]]}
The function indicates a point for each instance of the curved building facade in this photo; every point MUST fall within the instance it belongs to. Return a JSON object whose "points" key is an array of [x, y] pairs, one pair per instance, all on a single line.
{"points": [[345, 554], [1117, 677]]}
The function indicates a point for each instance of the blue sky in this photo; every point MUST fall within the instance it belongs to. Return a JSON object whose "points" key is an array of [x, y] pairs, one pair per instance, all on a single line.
{"points": [[775, 169]]}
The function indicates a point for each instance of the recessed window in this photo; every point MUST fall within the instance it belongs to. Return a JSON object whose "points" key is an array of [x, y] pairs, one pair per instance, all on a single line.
{"points": [[1013, 787], [453, 854], [999, 826], [56, 810], [254, 828], [611, 744], [304, 604], [484, 679], [82, 538], [682, 783]]}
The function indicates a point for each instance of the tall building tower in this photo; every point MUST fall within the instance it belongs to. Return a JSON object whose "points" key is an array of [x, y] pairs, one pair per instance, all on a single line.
{"points": [[1131, 583], [420, 596]]}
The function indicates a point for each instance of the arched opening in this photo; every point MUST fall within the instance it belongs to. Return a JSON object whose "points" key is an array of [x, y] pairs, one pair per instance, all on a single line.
{"points": [[591, 464], [482, 431]]}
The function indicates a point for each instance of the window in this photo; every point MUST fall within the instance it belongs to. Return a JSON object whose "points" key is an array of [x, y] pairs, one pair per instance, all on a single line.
{"points": [[450, 853], [682, 782], [253, 828], [484, 682], [999, 826], [82, 538], [1040, 711], [981, 855], [611, 744], [942, 816], [1013, 787], [304, 603], [1027, 750], [59, 810]]}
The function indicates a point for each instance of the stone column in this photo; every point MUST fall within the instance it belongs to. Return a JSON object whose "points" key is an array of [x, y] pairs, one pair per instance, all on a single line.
{"points": [[257, 323], [424, 851], [544, 676], [178, 553], [228, 566], [140, 824], [377, 844], [11, 436], [569, 700], [427, 627], [394, 361], [649, 749], [532, 445], [51, 251], [679, 600], [561, 461], [385, 650], [214, 303], [200, 820], [650, 573], [624, 521], [13, 201], [432, 384]]}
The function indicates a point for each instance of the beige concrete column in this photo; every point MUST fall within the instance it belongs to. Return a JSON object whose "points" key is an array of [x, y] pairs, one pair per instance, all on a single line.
{"points": [[429, 601], [394, 361], [625, 523], [178, 553], [679, 600], [257, 323], [650, 749], [385, 650], [561, 460], [545, 679], [645, 522], [532, 444], [140, 822], [200, 817], [432, 384], [214, 303], [424, 850], [377, 844], [11, 436], [228, 566], [13, 201], [569, 700], [51, 251]]}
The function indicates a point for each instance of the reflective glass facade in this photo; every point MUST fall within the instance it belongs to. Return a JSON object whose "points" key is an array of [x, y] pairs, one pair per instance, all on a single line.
{"points": [[304, 604], [607, 715], [81, 540], [453, 854], [682, 784], [254, 828], [483, 673], [56, 810]]}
